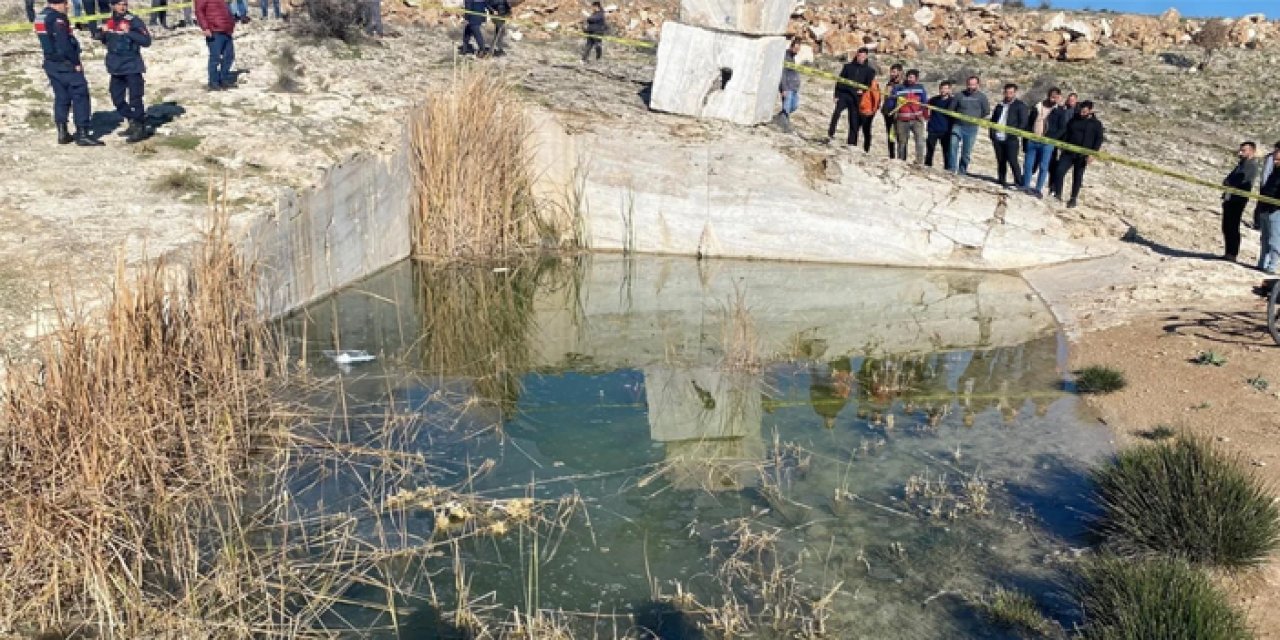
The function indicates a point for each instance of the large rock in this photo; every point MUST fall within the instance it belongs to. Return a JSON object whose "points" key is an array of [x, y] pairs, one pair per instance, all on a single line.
{"points": [[755, 17], [1077, 51], [709, 74], [1077, 28]]}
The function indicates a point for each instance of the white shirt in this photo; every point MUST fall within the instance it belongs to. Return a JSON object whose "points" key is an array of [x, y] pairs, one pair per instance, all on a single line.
{"points": [[1004, 117]]}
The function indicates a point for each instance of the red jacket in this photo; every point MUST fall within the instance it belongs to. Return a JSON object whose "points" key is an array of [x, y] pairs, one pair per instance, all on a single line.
{"points": [[214, 16]]}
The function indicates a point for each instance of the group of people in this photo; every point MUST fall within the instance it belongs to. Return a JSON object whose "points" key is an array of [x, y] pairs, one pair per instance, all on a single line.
{"points": [[480, 11], [124, 36], [949, 122], [1247, 172]]}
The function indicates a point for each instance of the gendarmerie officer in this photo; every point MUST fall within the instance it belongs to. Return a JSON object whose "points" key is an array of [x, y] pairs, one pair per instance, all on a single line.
{"points": [[125, 35], [66, 76]]}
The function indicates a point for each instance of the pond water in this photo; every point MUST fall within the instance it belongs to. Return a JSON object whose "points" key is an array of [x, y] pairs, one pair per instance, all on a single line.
{"points": [[657, 442]]}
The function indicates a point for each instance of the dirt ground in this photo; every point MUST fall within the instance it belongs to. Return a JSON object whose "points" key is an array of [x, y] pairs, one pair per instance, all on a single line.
{"points": [[1166, 387]]}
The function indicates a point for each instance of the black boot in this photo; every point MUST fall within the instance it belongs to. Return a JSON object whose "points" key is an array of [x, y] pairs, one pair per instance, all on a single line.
{"points": [[137, 132], [64, 136], [83, 139]]}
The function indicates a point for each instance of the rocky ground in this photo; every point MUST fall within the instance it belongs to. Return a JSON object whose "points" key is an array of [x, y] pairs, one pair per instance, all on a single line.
{"points": [[68, 214]]}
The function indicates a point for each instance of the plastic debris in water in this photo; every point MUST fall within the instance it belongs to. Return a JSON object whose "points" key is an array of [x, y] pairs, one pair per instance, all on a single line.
{"points": [[349, 356]]}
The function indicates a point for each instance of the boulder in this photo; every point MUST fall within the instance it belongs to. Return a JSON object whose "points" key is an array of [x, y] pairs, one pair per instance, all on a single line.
{"points": [[712, 74], [1081, 50], [924, 16], [896, 4], [1077, 28], [949, 4], [759, 17], [1171, 16]]}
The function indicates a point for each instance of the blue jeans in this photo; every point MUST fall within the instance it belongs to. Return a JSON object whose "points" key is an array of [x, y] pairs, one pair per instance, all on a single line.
{"points": [[962, 138], [275, 4], [240, 8], [790, 102], [222, 54], [1039, 157], [1269, 256]]}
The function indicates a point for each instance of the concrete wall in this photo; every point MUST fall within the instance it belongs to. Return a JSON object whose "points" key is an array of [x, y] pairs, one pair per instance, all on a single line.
{"points": [[354, 223], [675, 186], [712, 74], [750, 17]]}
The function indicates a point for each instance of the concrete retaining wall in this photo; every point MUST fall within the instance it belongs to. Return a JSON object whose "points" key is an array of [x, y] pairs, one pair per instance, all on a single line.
{"points": [[356, 222]]}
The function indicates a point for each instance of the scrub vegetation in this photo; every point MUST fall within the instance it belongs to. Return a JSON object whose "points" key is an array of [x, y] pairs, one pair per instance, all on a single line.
{"points": [[1099, 379], [1017, 611], [1126, 599]]}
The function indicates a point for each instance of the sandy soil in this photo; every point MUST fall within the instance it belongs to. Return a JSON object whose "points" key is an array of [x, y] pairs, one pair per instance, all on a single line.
{"points": [[1167, 388]]}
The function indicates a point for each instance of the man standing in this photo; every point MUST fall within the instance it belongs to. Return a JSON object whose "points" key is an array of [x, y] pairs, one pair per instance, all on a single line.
{"points": [[910, 113], [595, 27], [849, 96], [66, 77], [940, 125], [125, 35], [473, 32], [1268, 216], [1241, 177], [501, 11], [1084, 131], [1039, 155], [973, 103], [216, 23], [887, 110], [789, 85], [1011, 113], [30, 6]]}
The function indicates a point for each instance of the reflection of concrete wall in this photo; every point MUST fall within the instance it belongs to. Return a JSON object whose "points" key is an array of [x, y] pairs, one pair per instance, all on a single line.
{"points": [[701, 403], [656, 311], [642, 312]]}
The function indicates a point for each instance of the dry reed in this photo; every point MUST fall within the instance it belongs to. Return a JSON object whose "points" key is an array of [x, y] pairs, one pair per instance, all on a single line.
{"points": [[474, 171]]}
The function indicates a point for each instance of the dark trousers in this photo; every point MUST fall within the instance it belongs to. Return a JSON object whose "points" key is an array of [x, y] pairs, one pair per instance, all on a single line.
{"points": [[99, 8], [1232, 211], [889, 122], [222, 54], [1007, 159], [30, 6], [473, 33], [132, 85], [592, 43], [275, 5], [1077, 164], [372, 16], [845, 103], [499, 32], [70, 94], [159, 17], [934, 140]]}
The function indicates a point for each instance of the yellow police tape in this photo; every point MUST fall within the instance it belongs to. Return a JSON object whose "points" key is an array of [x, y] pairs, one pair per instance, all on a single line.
{"points": [[818, 73], [25, 27]]}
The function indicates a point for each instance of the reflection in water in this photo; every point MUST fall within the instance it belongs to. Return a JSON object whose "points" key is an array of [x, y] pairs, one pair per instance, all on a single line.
{"points": [[866, 438]]}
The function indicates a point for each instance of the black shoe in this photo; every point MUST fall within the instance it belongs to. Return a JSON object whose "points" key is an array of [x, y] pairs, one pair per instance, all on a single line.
{"points": [[83, 139], [498, 53], [138, 131], [1072, 204], [64, 136]]}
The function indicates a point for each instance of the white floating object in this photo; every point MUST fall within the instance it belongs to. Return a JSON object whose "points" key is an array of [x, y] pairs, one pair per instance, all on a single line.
{"points": [[349, 356], [501, 269]]}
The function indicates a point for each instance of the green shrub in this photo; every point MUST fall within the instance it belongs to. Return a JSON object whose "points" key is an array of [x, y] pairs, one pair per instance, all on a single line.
{"points": [[1161, 432], [1210, 358], [1188, 500], [1097, 379], [1154, 598], [1016, 611]]}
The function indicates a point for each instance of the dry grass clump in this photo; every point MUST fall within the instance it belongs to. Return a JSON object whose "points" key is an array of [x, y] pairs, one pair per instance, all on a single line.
{"points": [[133, 433], [473, 171]]}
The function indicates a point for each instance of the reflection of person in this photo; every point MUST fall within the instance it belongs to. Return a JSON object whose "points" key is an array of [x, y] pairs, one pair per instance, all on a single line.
{"points": [[829, 389]]}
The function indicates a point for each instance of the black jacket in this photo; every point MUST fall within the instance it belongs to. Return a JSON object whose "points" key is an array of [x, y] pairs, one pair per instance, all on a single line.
{"points": [[57, 42], [863, 74], [1084, 132], [125, 35], [1270, 189], [596, 24], [477, 12], [1056, 124], [1240, 178], [500, 8], [1017, 119]]}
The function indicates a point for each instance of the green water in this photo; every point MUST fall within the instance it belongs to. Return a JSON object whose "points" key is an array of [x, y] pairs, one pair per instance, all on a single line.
{"points": [[899, 438]]}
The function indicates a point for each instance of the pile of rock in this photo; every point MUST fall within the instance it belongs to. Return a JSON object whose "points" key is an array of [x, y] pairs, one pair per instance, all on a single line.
{"points": [[907, 28], [958, 27]]}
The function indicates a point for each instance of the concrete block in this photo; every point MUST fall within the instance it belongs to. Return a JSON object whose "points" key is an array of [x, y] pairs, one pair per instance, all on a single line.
{"points": [[709, 74], [752, 17]]}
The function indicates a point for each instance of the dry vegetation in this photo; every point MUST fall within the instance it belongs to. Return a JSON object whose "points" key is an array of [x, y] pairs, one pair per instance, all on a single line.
{"points": [[473, 172]]}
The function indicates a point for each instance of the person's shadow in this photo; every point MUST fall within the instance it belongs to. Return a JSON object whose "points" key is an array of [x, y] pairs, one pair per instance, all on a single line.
{"points": [[1133, 236]]}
